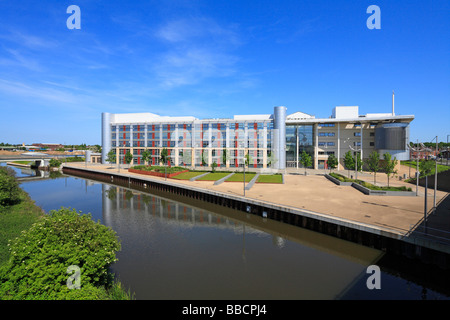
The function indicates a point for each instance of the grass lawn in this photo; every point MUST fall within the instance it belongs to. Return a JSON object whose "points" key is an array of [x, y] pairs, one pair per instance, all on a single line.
{"points": [[14, 219], [214, 176], [413, 164], [239, 177], [187, 175], [22, 162], [270, 178]]}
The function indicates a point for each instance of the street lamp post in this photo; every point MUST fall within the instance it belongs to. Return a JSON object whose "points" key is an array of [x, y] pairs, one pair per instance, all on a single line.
{"points": [[417, 150], [356, 160], [435, 176], [447, 148]]}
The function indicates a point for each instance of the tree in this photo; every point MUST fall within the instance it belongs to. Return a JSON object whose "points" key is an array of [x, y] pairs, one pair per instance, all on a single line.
{"points": [[164, 156], [111, 156], [359, 161], [225, 156], [349, 162], [271, 158], [389, 165], [373, 163], [247, 159], [146, 156], [305, 160], [425, 169], [128, 157], [332, 162]]}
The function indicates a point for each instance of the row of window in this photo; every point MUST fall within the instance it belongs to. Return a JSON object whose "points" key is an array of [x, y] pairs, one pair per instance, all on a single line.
{"points": [[188, 126], [332, 144]]}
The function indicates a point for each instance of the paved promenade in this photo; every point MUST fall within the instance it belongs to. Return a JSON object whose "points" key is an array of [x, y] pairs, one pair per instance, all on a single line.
{"points": [[315, 193]]}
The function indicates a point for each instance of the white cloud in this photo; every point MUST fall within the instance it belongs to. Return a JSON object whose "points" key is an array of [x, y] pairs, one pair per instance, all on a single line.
{"points": [[199, 49]]}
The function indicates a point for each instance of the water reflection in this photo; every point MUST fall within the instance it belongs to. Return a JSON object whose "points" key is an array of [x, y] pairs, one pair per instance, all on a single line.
{"points": [[176, 251]]}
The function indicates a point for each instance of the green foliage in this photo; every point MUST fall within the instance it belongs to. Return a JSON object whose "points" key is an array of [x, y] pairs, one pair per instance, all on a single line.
{"points": [[204, 163], [14, 219], [128, 157], [164, 156], [389, 165], [332, 162], [111, 156], [146, 155], [305, 160], [271, 158], [368, 185], [373, 163], [247, 159], [54, 163], [349, 161], [161, 169], [426, 167], [73, 159], [40, 256], [225, 155], [9, 187], [214, 166]]}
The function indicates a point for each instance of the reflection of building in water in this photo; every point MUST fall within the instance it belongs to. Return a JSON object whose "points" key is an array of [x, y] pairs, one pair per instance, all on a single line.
{"points": [[118, 199]]}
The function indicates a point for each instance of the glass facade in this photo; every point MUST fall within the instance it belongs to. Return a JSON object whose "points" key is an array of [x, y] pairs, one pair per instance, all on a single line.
{"points": [[273, 141], [299, 138]]}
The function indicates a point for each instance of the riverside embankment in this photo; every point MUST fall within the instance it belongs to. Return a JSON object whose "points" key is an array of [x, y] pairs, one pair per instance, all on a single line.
{"points": [[311, 202]]}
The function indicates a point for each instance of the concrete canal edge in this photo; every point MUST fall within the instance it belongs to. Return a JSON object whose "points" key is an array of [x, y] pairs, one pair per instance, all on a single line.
{"points": [[385, 239]]}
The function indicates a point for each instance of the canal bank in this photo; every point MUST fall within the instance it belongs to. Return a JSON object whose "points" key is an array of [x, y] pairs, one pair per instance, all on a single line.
{"points": [[393, 236]]}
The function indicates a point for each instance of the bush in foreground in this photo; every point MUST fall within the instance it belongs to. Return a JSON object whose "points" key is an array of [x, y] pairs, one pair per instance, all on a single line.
{"points": [[9, 187], [40, 257]]}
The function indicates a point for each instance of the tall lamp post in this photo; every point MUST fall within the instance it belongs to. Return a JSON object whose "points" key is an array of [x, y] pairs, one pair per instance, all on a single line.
{"points": [[417, 150], [435, 175], [447, 148], [356, 160]]}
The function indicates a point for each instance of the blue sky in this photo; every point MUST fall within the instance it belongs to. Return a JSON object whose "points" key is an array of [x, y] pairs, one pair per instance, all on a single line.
{"points": [[217, 58]]}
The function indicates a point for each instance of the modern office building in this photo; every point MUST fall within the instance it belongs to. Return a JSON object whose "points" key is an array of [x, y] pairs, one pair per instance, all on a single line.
{"points": [[266, 141]]}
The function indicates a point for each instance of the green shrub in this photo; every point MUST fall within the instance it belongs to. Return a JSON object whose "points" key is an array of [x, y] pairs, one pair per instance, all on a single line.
{"points": [[40, 256], [74, 159], [160, 169], [367, 184], [9, 188], [54, 163]]}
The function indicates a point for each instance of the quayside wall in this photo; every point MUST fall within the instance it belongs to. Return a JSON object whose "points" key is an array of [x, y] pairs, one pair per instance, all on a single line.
{"points": [[371, 236]]}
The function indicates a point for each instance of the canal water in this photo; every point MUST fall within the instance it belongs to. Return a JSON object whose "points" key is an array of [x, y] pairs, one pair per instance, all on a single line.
{"points": [[175, 250]]}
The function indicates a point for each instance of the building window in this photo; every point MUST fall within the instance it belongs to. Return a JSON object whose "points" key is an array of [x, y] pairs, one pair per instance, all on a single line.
{"points": [[357, 134], [330, 144], [357, 144], [372, 144], [326, 124]]}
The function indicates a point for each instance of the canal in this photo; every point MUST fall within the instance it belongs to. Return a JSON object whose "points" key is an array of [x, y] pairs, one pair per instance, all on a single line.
{"points": [[175, 250]]}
